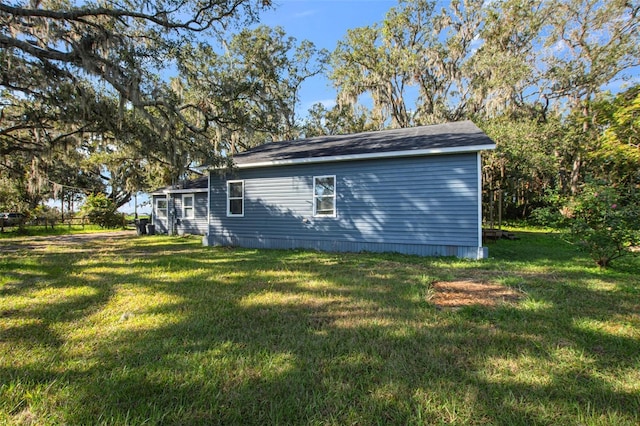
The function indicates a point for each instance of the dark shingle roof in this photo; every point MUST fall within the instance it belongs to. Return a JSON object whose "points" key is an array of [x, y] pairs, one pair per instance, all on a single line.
{"points": [[450, 137], [198, 183]]}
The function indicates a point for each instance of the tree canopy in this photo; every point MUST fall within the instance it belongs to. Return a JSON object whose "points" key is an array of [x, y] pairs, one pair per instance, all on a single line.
{"points": [[89, 83], [422, 65], [119, 96], [534, 74]]}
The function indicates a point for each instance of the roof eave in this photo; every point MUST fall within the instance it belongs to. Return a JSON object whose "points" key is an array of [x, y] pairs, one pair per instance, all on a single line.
{"points": [[369, 156], [178, 191]]}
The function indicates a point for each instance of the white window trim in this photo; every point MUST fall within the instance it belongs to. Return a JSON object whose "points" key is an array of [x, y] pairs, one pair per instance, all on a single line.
{"points": [[229, 214], [335, 192], [193, 206], [166, 209]]}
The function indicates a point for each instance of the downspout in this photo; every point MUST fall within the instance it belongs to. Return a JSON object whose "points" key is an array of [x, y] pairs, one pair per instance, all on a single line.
{"points": [[479, 174], [205, 239]]}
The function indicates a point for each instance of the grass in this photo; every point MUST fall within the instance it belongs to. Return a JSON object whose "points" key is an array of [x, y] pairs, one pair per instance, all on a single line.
{"points": [[160, 330]]}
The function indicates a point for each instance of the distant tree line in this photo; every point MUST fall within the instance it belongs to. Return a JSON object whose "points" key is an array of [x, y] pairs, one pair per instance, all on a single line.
{"points": [[119, 96]]}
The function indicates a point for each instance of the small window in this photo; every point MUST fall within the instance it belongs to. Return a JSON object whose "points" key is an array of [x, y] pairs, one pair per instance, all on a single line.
{"points": [[324, 196], [161, 207], [235, 198], [187, 206]]}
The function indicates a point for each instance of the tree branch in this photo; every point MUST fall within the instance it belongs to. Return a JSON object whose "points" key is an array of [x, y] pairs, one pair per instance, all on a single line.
{"points": [[161, 17]]}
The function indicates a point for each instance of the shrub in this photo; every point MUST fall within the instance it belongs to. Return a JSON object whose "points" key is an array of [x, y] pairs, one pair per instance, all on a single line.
{"points": [[548, 216], [100, 210], [606, 222], [555, 214], [45, 215]]}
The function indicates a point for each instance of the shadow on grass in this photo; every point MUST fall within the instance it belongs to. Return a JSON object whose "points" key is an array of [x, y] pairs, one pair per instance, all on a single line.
{"points": [[264, 337]]}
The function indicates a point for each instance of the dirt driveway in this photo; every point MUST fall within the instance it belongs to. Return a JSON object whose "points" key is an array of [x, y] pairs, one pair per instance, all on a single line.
{"points": [[43, 241]]}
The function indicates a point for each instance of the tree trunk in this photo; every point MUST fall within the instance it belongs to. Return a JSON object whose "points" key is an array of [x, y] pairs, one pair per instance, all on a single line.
{"points": [[575, 173], [577, 160]]}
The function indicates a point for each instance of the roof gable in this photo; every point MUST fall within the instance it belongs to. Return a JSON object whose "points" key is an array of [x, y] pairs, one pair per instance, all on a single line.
{"points": [[463, 136]]}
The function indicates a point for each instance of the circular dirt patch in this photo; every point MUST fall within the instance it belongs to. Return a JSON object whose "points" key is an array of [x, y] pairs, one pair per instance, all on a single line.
{"points": [[456, 294]]}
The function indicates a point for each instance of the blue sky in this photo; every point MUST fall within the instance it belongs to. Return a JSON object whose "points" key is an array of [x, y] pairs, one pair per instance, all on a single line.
{"points": [[323, 22]]}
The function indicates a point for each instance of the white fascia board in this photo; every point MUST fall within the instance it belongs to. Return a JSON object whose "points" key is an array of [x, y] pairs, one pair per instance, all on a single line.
{"points": [[180, 191], [369, 156]]}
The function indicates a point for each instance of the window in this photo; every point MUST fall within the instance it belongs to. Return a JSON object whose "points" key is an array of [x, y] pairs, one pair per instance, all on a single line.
{"points": [[235, 198], [187, 206], [161, 207], [324, 196]]}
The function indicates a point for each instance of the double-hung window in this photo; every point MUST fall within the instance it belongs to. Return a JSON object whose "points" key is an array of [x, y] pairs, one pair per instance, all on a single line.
{"points": [[161, 208], [324, 196], [235, 198], [187, 206]]}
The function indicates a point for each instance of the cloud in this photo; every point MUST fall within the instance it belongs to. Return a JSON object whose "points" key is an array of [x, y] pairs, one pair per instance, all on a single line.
{"points": [[305, 13], [327, 103]]}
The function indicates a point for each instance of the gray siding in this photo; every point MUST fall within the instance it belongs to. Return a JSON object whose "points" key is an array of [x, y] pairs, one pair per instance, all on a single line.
{"points": [[419, 205], [161, 224], [196, 225]]}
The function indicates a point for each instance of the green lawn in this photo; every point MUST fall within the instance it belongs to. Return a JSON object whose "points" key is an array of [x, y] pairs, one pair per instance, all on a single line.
{"points": [[160, 330]]}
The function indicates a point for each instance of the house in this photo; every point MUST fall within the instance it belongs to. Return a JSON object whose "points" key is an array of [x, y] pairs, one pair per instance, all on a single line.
{"points": [[181, 209], [414, 191]]}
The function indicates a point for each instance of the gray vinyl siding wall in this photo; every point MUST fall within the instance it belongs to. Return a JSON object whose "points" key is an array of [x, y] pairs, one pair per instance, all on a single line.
{"points": [[418, 205], [161, 223], [196, 225]]}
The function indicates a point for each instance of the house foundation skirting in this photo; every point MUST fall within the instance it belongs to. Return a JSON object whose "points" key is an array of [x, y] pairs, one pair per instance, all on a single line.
{"points": [[466, 252]]}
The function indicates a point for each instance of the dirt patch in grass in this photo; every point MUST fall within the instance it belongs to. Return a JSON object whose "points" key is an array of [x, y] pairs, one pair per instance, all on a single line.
{"points": [[456, 294], [42, 242]]}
